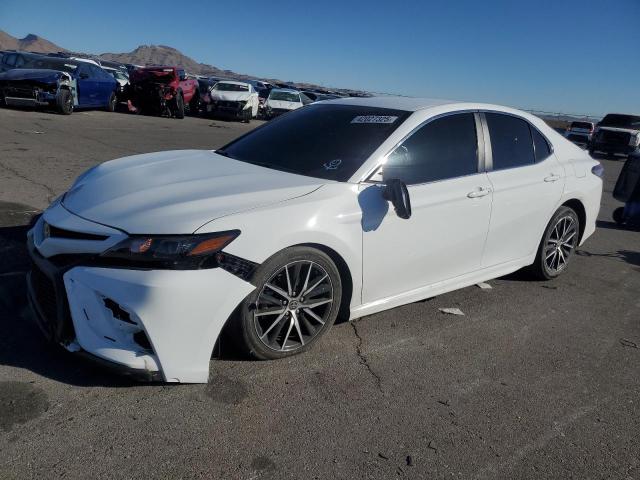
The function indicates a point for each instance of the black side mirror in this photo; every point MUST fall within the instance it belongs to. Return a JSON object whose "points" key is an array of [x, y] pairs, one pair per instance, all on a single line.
{"points": [[396, 192]]}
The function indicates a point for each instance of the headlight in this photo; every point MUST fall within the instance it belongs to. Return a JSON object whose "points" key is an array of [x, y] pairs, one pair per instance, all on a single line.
{"points": [[179, 252], [634, 140]]}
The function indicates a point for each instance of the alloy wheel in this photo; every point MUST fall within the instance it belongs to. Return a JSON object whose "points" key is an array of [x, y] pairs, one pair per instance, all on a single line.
{"points": [[561, 243], [293, 306]]}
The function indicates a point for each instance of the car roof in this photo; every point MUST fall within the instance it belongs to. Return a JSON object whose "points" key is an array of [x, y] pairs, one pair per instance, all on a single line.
{"points": [[289, 90], [233, 82], [411, 104]]}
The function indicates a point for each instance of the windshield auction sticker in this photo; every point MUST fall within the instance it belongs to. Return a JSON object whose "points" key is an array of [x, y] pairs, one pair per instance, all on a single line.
{"points": [[374, 119]]}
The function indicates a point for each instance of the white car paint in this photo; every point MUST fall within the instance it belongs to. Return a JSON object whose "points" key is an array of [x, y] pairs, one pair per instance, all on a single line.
{"points": [[250, 95], [282, 105], [463, 231]]}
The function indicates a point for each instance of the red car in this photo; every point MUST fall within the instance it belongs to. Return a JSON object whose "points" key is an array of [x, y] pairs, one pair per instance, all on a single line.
{"points": [[162, 90]]}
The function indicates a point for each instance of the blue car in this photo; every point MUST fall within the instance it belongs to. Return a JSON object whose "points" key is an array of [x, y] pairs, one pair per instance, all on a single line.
{"points": [[60, 83]]}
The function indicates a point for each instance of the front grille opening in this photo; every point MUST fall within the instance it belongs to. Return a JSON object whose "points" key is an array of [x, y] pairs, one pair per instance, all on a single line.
{"points": [[71, 235], [118, 312], [141, 339]]}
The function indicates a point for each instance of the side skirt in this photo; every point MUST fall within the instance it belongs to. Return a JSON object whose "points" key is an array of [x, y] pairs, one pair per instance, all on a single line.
{"points": [[439, 288]]}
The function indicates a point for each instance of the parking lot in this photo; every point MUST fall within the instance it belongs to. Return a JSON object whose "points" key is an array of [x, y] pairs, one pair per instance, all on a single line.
{"points": [[536, 380]]}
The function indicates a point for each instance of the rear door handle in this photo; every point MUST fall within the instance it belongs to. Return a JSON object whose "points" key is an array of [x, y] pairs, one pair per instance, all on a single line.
{"points": [[552, 178], [480, 192]]}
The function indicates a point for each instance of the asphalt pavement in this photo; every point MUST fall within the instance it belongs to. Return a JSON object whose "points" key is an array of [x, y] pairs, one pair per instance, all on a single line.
{"points": [[536, 380]]}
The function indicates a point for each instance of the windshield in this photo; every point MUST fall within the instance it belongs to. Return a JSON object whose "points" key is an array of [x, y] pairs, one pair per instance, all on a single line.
{"points": [[621, 121], [230, 87], [323, 141], [286, 96], [51, 64]]}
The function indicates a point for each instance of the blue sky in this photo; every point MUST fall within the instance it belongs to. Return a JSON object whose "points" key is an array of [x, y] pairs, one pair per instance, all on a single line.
{"points": [[556, 55]]}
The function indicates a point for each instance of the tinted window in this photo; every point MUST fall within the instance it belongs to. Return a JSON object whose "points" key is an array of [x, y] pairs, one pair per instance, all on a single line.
{"points": [[10, 59], [324, 141], [540, 145], [19, 61], [621, 121], [444, 148], [511, 142]]}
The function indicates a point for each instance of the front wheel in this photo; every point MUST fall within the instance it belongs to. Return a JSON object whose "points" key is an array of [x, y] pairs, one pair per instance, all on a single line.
{"points": [[179, 106], [558, 244], [64, 102], [296, 301]]}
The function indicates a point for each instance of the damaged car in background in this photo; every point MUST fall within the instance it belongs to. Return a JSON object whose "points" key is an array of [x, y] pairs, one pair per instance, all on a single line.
{"points": [[233, 99], [58, 83], [162, 91], [281, 100]]}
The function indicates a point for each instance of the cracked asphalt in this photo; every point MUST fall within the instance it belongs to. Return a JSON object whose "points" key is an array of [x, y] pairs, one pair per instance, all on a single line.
{"points": [[536, 380]]}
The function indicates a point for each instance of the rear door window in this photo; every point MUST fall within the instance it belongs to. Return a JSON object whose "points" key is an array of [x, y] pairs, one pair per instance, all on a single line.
{"points": [[511, 142]]}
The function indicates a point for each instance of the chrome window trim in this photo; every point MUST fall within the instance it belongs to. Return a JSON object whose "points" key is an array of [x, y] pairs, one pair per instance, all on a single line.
{"points": [[480, 153]]}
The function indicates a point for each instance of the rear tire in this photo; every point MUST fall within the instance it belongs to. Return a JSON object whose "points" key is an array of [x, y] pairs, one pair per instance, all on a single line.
{"points": [[558, 244], [296, 301], [194, 104], [64, 102], [111, 106]]}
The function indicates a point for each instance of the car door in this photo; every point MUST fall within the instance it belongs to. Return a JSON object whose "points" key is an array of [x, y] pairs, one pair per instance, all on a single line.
{"points": [[86, 85], [106, 85], [451, 201], [527, 182]]}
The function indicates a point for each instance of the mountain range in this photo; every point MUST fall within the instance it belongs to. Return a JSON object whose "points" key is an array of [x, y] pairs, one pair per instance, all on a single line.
{"points": [[142, 55]]}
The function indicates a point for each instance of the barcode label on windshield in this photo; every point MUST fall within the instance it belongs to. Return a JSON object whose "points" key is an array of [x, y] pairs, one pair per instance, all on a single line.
{"points": [[374, 119]]}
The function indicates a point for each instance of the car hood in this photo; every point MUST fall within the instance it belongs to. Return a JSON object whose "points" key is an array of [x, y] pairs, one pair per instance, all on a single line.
{"points": [[230, 96], [39, 75], [283, 104], [176, 192]]}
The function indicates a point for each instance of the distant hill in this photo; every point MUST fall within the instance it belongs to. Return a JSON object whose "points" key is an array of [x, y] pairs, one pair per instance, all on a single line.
{"points": [[164, 55], [143, 55], [30, 43]]}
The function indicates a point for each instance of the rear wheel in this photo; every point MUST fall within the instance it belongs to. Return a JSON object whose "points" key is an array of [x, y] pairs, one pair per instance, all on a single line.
{"points": [[558, 244], [194, 104], [618, 215], [111, 105], [296, 301]]}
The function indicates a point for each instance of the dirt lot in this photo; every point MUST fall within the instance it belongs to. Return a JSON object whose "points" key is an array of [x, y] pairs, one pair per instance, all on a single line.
{"points": [[537, 380]]}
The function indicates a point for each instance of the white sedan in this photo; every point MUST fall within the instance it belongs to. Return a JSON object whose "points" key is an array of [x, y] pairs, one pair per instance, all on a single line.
{"points": [[347, 207]]}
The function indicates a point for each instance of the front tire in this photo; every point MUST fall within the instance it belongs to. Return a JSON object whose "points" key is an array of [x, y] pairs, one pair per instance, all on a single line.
{"points": [[179, 106], [296, 301], [558, 244], [64, 102]]}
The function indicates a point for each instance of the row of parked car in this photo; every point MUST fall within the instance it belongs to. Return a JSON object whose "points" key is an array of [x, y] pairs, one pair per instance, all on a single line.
{"points": [[65, 82], [616, 133]]}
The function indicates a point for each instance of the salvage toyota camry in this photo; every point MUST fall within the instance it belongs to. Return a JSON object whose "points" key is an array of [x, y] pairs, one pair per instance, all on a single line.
{"points": [[347, 207]]}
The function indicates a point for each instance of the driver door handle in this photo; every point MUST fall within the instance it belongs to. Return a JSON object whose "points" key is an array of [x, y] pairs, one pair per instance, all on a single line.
{"points": [[552, 178], [480, 192]]}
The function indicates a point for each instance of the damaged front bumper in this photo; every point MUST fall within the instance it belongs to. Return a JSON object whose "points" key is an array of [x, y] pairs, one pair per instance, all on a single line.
{"points": [[229, 108], [155, 325], [29, 96]]}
